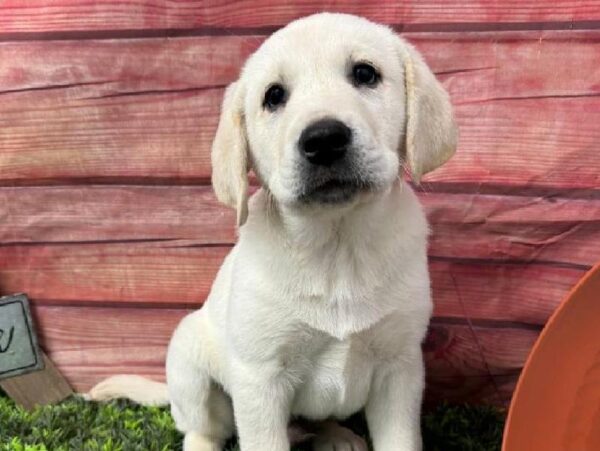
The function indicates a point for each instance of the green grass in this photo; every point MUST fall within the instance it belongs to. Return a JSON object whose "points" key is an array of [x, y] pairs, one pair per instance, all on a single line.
{"points": [[122, 426]]}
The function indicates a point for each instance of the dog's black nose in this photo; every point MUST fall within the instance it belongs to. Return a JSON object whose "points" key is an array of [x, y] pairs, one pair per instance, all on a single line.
{"points": [[325, 141]]}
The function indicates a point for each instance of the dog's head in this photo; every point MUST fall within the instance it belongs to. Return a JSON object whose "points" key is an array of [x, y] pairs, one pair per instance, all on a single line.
{"points": [[327, 109]]}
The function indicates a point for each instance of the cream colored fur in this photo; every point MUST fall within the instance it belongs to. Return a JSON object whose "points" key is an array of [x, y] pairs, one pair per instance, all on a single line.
{"points": [[319, 310]]}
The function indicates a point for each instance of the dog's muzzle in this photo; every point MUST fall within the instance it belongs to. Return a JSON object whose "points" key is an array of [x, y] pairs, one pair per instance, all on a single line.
{"points": [[330, 172]]}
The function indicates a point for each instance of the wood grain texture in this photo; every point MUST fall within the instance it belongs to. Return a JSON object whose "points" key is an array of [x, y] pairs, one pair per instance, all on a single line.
{"points": [[146, 136], [162, 272], [89, 344], [117, 114], [467, 226], [525, 293], [46, 386], [122, 66], [96, 213], [462, 350], [73, 15], [179, 273], [515, 228]]}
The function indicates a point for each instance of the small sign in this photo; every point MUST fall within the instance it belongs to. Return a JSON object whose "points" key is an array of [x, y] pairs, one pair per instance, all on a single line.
{"points": [[19, 350]]}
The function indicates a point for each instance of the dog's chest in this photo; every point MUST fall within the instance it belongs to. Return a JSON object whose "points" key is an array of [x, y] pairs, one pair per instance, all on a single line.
{"points": [[338, 383], [343, 295]]}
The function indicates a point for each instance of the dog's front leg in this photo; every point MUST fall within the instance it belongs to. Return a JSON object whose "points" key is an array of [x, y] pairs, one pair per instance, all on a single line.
{"points": [[261, 404], [394, 406]]}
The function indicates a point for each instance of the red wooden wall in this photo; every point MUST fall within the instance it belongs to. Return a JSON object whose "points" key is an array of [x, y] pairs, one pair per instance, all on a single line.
{"points": [[108, 222]]}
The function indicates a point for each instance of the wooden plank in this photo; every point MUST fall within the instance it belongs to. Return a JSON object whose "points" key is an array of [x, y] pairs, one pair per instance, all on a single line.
{"points": [[519, 228], [462, 350], [71, 214], [526, 142], [89, 344], [163, 272], [73, 15], [179, 273], [114, 66], [481, 66], [154, 136], [105, 110], [46, 386], [526, 293], [488, 227]]}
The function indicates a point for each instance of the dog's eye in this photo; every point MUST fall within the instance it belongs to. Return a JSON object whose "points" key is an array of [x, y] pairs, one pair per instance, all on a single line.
{"points": [[365, 74], [274, 97]]}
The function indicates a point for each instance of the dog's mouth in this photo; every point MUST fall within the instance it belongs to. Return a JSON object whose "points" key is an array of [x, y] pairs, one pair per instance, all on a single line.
{"points": [[333, 191]]}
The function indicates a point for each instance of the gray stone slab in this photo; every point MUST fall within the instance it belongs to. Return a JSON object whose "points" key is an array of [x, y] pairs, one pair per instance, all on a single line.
{"points": [[19, 350]]}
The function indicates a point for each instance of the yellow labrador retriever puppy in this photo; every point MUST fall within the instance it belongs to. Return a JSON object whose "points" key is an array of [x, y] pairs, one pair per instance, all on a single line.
{"points": [[320, 309]]}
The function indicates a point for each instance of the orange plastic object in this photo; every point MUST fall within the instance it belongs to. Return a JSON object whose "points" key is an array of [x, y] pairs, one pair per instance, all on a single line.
{"points": [[556, 405]]}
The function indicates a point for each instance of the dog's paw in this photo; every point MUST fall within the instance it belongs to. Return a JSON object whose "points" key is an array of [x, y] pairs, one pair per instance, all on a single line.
{"points": [[197, 442], [297, 433], [333, 437]]}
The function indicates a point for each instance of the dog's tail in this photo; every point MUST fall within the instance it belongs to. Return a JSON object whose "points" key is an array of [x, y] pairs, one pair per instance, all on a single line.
{"points": [[136, 388]]}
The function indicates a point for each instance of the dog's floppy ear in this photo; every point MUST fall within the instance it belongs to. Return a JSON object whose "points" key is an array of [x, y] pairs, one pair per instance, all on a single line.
{"points": [[230, 162], [430, 133]]}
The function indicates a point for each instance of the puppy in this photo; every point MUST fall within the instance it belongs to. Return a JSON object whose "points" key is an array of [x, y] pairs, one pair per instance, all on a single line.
{"points": [[320, 308]]}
